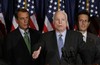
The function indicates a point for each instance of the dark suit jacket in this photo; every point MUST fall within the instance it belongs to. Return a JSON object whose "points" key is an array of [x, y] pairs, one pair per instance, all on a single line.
{"points": [[2, 62], [49, 53], [93, 56], [91, 51], [1, 44], [16, 49]]}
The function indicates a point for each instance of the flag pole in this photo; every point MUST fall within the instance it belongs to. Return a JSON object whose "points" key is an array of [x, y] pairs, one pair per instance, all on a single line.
{"points": [[58, 5], [87, 5], [25, 4]]}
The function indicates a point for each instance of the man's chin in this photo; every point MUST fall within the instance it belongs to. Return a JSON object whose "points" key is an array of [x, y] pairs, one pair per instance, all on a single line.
{"points": [[61, 30]]}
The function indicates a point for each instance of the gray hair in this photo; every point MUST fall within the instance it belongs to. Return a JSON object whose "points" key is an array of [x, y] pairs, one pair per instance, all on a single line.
{"points": [[63, 12]]}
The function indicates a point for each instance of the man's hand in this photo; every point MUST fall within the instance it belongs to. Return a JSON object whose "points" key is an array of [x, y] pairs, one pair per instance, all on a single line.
{"points": [[36, 53]]}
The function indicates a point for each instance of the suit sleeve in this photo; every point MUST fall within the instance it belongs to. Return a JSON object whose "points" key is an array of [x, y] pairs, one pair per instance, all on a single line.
{"points": [[8, 50], [97, 56]]}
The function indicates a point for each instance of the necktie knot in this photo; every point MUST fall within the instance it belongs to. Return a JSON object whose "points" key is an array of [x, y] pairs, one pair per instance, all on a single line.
{"points": [[60, 35], [25, 33]]}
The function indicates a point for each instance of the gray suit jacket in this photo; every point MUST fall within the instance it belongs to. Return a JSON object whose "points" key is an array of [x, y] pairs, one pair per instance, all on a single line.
{"points": [[91, 50]]}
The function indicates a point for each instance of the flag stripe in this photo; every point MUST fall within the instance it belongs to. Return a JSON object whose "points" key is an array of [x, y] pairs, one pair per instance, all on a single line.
{"points": [[2, 19], [33, 20], [45, 29], [47, 26]]}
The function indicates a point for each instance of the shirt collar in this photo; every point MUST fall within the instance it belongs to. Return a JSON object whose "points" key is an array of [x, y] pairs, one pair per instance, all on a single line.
{"points": [[85, 34], [63, 33], [23, 31]]}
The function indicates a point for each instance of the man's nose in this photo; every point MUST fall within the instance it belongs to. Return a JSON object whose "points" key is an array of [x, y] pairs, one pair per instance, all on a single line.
{"points": [[60, 21], [25, 20]]}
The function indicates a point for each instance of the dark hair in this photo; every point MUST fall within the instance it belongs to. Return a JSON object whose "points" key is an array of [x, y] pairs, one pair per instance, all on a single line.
{"points": [[20, 10], [86, 13]]}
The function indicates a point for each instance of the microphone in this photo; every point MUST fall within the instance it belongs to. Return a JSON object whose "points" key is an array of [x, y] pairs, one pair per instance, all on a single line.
{"points": [[68, 55], [72, 52], [65, 55]]}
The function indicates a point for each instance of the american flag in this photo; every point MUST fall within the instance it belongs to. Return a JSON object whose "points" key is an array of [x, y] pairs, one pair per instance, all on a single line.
{"points": [[30, 7], [2, 22], [52, 8], [89, 5]]}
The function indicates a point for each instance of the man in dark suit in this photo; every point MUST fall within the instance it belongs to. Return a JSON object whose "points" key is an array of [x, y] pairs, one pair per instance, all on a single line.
{"points": [[2, 62], [19, 42], [92, 41], [49, 45]]}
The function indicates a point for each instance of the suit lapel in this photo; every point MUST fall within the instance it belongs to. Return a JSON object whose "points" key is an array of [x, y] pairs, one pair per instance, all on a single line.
{"points": [[22, 42], [88, 40], [55, 45], [67, 38], [31, 38]]}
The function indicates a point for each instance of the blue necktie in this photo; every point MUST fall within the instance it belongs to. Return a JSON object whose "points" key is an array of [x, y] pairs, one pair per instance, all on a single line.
{"points": [[60, 45]]}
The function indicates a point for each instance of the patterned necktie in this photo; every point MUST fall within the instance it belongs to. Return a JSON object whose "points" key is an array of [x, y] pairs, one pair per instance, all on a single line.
{"points": [[60, 45], [27, 41]]}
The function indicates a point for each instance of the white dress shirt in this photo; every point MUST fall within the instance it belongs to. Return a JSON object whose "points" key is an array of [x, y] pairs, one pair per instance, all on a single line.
{"points": [[63, 36], [84, 36], [22, 32]]}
